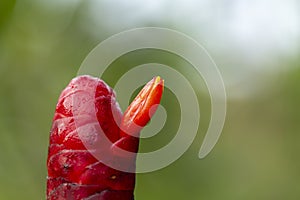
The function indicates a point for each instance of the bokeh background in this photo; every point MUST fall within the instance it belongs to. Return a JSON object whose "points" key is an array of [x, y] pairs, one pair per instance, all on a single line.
{"points": [[254, 43]]}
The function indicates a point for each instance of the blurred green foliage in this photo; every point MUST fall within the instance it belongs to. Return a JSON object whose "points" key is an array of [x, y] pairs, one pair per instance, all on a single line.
{"points": [[41, 49], [6, 8]]}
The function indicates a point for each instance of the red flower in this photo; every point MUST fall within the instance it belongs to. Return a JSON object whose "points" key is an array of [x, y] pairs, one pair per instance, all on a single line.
{"points": [[73, 172]]}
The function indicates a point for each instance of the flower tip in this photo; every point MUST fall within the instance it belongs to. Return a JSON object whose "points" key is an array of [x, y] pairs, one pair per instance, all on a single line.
{"points": [[158, 80]]}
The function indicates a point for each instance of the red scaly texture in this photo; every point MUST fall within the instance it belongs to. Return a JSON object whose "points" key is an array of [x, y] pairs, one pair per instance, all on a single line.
{"points": [[73, 172]]}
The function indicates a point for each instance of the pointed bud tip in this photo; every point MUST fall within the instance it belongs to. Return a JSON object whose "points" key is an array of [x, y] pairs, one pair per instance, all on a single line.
{"points": [[138, 113], [158, 80]]}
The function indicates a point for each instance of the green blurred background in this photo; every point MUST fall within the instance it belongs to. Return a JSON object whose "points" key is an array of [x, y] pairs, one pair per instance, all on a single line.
{"points": [[255, 44]]}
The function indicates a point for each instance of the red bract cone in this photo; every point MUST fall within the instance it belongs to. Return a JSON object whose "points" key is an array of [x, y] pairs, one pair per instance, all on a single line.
{"points": [[73, 171]]}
